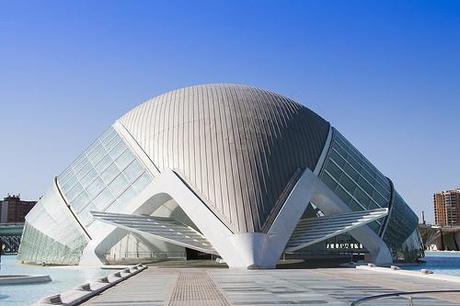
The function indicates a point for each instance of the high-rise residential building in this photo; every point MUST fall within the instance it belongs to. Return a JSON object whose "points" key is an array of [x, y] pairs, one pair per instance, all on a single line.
{"points": [[14, 210], [447, 207]]}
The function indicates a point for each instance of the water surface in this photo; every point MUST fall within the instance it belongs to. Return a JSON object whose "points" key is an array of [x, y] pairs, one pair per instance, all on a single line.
{"points": [[63, 278], [440, 263]]}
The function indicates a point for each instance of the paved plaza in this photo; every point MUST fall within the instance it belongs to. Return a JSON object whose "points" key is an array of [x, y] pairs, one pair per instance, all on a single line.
{"points": [[326, 286]]}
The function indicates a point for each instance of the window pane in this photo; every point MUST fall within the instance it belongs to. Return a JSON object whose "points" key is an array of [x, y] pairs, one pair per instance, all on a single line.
{"points": [[125, 159], [337, 158], [80, 202], [95, 188], [343, 194], [347, 183], [125, 198], [68, 185], [115, 152], [333, 170], [97, 154], [79, 163], [361, 197], [340, 150], [327, 179], [110, 173], [374, 226], [118, 185], [103, 200], [142, 182], [133, 171], [74, 192], [107, 135], [366, 186], [103, 164], [110, 144], [355, 206], [88, 178]]}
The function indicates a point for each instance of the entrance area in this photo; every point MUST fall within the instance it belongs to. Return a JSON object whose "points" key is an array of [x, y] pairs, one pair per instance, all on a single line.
{"points": [[194, 254]]}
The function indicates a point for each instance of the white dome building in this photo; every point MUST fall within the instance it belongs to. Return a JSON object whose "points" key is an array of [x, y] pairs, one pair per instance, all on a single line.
{"points": [[230, 170]]}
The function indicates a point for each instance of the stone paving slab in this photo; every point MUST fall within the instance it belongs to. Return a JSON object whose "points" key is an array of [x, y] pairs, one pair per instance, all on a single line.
{"points": [[334, 286], [150, 287]]}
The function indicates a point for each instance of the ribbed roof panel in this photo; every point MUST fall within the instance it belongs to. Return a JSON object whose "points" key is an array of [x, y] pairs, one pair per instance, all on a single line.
{"points": [[236, 146]]}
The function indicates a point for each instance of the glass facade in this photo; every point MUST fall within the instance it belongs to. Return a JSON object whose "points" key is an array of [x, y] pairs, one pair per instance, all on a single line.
{"points": [[402, 222], [106, 176], [33, 250], [51, 234], [354, 179], [360, 185]]}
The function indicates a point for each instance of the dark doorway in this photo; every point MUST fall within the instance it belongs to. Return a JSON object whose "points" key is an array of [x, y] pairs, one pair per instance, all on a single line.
{"points": [[194, 254]]}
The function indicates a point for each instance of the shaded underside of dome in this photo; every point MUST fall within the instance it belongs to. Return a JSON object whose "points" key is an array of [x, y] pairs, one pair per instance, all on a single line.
{"points": [[238, 147]]}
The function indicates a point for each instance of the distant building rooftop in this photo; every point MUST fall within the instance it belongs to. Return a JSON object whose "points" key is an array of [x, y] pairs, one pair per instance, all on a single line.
{"points": [[13, 209]]}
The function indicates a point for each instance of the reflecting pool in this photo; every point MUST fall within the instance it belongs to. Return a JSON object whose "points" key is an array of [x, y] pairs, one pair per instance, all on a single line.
{"points": [[63, 278], [440, 263]]}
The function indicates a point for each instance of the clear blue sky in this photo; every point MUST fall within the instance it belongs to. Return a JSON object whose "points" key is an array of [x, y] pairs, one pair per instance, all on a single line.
{"points": [[385, 73]]}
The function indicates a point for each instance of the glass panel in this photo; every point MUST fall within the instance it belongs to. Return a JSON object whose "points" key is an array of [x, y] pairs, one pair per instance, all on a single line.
{"points": [[347, 183], [337, 158], [84, 170], [133, 171], [107, 135], [340, 149], [365, 186], [97, 154], [351, 172], [355, 206], [80, 202], [88, 178], [118, 185], [327, 179], [65, 176], [110, 173], [115, 152], [95, 188], [103, 164], [74, 192], [124, 199], [103, 200], [109, 145], [79, 163], [124, 160], [99, 181], [142, 182], [68, 185], [352, 169], [361, 197], [333, 170], [375, 226], [86, 217], [343, 194], [379, 199]]}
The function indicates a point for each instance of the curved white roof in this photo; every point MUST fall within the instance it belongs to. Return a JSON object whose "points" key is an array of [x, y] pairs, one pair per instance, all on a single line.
{"points": [[237, 147]]}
